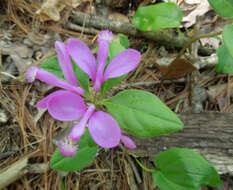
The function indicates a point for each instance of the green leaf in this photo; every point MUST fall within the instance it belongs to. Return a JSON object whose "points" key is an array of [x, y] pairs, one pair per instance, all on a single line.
{"points": [[223, 7], [183, 169], [52, 65], [225, 60], [124, 40], [142, 113], [86, 153], [83, 78], [114, 49], [154, 17], [108, 84], [227, 34]]}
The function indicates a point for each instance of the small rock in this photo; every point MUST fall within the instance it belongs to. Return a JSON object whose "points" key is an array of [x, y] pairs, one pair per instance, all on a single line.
{"points": [[23, 51]]}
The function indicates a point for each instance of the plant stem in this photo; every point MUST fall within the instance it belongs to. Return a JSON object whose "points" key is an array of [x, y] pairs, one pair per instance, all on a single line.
{"points": [[62, 183], [145, 168], [189, 43], [95, 95]]}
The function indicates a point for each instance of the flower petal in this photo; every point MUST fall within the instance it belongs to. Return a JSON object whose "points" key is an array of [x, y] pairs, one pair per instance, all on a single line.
{"points": [[65, 63], [51, 79], [44, 102], [102, 59], [128, 142], [104, 129], [123, 63], [79, 129], [66, 106], [31, 73], [105, 35], [82, 56]]}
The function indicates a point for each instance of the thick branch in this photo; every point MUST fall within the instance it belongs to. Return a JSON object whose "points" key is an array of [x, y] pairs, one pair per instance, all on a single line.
{"points": [[165, 37], [210, 134], [19, 169]]}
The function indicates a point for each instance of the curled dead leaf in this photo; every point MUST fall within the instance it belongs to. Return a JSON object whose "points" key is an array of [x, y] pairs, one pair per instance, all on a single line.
{"points": [[199, 9], [50, 9], [176, 69]]}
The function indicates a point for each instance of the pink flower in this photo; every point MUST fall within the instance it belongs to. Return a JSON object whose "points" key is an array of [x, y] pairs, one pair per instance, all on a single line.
{"points": [[123, 63], [103, 128], [67, 105]]}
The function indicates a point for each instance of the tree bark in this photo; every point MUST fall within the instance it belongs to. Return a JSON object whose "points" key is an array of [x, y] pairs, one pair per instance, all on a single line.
{"points": [[209, 133]]}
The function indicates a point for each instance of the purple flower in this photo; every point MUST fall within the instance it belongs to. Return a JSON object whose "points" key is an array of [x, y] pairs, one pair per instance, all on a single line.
{"points": [[103, 129], [67, 69], [123, 63], [67, 105]]}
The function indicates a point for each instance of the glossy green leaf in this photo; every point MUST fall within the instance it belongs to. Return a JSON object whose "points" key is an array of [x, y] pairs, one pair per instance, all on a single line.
{"points": [[154, 17], [108, 84], [124, 40], [114, 49], [227, 34], [184, 169], [225, 60], [83, 78], [86, 153], [223, 7], [142, 113], [52, 65]]}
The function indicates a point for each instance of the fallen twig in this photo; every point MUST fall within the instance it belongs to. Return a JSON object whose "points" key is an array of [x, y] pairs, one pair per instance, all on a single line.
{"points": [[164, 36], [19, 169]]}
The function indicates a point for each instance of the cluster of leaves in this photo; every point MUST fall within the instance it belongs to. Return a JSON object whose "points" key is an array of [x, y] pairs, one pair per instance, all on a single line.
{"points": [[169, 15]]}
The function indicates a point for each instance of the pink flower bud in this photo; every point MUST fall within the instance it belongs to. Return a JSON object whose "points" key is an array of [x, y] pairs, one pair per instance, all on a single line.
{"points": [[68, 148]]}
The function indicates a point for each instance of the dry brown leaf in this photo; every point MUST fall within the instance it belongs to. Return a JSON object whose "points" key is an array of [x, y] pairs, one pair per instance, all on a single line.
{"points": [[202, 6], [176, 69], [50, 9]]}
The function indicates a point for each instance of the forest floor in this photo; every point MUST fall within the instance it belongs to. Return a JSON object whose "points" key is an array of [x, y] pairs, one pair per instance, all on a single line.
{"points": [[27, 135]]}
